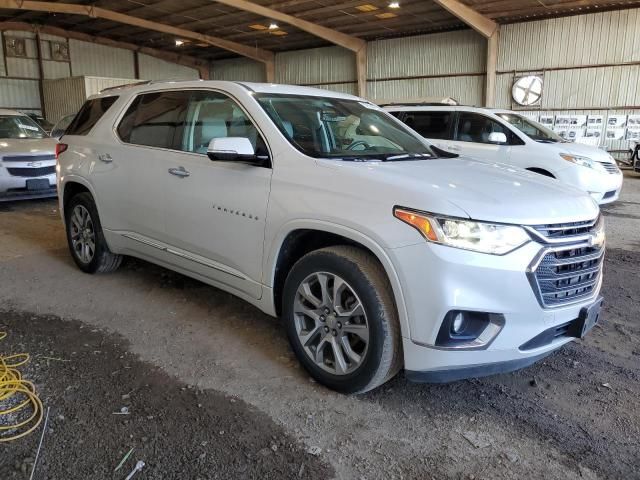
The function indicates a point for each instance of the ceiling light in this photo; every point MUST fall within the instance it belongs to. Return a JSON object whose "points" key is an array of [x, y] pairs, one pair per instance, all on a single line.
{"points": [[273, 26], [179, 43], [257, 26], [386, 15], [367, 7], [394, 5]]}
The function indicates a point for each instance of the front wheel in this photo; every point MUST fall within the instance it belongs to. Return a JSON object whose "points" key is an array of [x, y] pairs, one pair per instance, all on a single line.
{"points": [[86, 241], [341, 319]]}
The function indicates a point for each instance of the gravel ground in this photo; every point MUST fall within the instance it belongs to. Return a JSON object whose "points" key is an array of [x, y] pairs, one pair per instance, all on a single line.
{"points": [[574, 415]]}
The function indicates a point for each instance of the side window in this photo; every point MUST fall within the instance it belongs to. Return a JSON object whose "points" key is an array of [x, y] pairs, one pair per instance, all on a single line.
{"points": [[155, 119], [214, 115], [473, 127], [89, 114], [435, 125]]}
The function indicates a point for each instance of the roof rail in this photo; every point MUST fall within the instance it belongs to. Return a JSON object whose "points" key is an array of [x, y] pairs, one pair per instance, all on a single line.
{"points": [[424, 102], [124, 85]]}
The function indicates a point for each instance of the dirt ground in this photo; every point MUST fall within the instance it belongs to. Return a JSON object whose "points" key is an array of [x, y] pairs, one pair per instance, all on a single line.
{"points": [[196, 361]]}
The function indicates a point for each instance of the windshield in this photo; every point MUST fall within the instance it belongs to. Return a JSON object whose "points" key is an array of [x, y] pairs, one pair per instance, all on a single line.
{"points": [[338, 128], [533, 130], [19, 126]]}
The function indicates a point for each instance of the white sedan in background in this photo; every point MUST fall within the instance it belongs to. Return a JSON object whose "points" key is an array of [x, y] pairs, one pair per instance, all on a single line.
{"points": [[27, 158]]}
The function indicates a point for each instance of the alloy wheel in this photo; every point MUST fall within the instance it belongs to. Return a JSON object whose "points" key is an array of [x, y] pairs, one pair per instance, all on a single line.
{"points": [[331, 323], [83, 236]]}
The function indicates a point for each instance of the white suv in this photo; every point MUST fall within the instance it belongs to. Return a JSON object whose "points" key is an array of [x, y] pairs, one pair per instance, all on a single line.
{"points": [[512, 138], [325, 210]]}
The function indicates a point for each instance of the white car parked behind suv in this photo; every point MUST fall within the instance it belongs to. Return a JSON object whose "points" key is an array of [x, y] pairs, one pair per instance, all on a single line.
{"points": [[323, 209], [27, 158], [512, 138]]}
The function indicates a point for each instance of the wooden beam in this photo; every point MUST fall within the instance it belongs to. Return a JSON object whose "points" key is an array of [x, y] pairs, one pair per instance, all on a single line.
{"points": [[492, 66], [481, 24], [97, 12], [338, 38], [184, 60], [361, 71]]}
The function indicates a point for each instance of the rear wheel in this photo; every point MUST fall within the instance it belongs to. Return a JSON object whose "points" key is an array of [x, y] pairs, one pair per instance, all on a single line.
{"points": [[86, 241], [341, 319]]}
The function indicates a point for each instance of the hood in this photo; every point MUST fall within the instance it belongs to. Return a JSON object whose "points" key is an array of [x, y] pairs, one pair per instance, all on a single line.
{"points": [[593, 153], [484, 191], [35, 146]]}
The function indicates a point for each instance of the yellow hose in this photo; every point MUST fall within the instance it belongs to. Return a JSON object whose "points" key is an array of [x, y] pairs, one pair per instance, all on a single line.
{"points": [[17, 395]]}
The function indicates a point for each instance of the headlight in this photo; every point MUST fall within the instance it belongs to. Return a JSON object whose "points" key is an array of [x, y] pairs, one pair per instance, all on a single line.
{"points": [[482, 237], [582, 161]]}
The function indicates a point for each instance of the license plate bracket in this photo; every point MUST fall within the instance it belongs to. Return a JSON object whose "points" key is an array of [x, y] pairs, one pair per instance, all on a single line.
{"points": [[589, 318]]}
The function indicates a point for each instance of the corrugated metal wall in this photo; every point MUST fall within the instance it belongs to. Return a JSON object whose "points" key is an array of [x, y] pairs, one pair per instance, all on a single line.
{"points": [[444, 64], [597, 38], [63, 96], [590, 64], [19, 94], [238, 69], [157, 69], [100, 60], [19, 77], [316, 66], [93, 85], [450, 64]]}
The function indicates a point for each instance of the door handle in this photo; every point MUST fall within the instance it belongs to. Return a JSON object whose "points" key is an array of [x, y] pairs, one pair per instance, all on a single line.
{"points": [[179, 172], [105, 157]]}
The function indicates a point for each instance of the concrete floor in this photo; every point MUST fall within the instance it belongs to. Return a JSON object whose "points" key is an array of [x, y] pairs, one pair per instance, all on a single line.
{"points": [[575, 415]]}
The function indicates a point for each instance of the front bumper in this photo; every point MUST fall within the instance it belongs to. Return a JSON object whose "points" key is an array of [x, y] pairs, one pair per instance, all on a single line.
{"points": [[15, 187], [603, 187], [437, 279]]}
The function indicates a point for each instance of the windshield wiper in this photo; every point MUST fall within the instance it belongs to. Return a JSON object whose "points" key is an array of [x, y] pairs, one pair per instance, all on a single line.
{"points": [[404, 156]]}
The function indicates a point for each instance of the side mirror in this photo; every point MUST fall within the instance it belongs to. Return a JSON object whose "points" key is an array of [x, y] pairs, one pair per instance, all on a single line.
{"points": [[497, 137], [232, 149]]}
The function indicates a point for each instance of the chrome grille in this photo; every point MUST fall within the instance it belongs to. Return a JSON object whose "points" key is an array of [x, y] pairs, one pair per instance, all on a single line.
{"points": [[565, 230], [567, 276], [32, 172], [569, 268], [610, 167]]}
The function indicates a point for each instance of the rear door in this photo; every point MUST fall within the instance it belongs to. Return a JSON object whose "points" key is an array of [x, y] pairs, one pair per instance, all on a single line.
{"points": [[437, 126], [148, 133], [471, 137]]}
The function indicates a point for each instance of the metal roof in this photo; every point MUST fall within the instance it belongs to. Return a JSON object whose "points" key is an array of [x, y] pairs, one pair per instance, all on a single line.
{"points": [[367, 19]]}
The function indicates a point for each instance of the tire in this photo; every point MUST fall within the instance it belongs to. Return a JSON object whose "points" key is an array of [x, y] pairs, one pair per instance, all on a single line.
{"points": [[81, 211], [360, 280]]}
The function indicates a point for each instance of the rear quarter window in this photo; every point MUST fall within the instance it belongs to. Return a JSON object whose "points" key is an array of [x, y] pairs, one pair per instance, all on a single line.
{"points": [[431, 124], [89, 114]]}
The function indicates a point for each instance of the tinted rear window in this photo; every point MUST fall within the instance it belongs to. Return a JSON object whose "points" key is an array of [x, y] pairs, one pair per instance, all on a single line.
{"points": [[89, 114], [431, 124], [155, 119]]}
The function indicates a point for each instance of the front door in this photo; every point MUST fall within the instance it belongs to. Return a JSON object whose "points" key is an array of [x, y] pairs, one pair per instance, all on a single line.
{"points": [[215, 211]]}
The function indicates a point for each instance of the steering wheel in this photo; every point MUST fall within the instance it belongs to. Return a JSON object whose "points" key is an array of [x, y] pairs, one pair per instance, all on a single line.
{"points": [[357, 144]]}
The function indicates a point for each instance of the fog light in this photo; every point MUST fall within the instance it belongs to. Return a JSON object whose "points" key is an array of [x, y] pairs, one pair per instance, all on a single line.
{"points": [[468, 330], [458, 323]]}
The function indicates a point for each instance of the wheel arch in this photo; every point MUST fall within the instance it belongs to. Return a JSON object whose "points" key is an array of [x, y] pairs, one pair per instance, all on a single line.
{"points": [[72, 186], [301, 238]]}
